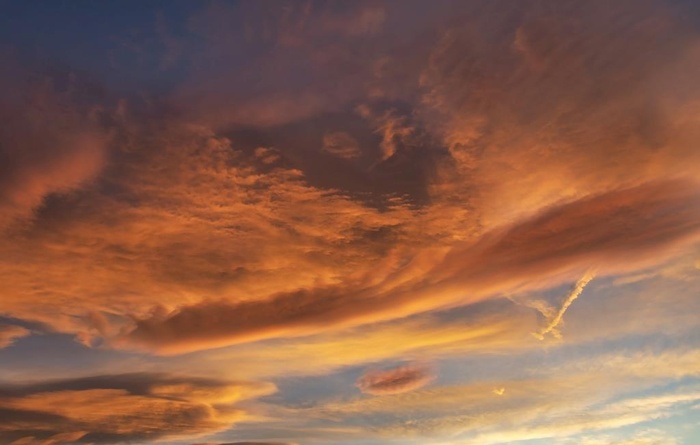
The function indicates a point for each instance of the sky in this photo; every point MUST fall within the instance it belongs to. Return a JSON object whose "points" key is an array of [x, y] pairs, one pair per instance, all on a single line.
{"points": [[401, 222]]}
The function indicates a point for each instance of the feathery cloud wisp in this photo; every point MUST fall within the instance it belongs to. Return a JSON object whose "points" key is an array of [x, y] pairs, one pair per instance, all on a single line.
{"points": [[555, 320]]}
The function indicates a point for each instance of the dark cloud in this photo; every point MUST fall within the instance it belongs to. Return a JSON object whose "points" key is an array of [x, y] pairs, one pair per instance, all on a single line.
{"points": [[396, 380], [49, 142], [119, 408]]}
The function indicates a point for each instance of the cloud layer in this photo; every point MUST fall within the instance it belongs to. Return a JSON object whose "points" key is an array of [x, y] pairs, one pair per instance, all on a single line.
{"points": [[120, 408], [49, 144], [308, 192], [646, 222]]}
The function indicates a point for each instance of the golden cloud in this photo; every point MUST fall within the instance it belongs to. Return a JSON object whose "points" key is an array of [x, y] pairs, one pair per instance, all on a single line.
{"points": [[646, 222], [117, 408], [10, 333], [530, 170]]}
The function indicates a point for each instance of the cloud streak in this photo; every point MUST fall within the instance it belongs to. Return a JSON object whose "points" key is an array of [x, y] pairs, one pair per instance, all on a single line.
{"points": [[395, 381], [646, 221], [554, 321]]}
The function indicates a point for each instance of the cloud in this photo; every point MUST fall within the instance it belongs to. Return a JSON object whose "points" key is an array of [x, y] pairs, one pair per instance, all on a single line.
{"points": [[118, 408], [555, 320], [248, 443], [321, 185], [318, 46], [10, 333], [341, 144], [648, 436], [192, 239], [262, 230], [495, 326], [396, 380], [59, 438], [604, 114], [605, 231], [48, 144], [395, 130], [596, 394]]}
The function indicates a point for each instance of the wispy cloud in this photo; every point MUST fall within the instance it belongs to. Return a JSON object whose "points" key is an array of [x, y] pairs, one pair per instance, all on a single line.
{"points": [[555, 320], [10, 333]]}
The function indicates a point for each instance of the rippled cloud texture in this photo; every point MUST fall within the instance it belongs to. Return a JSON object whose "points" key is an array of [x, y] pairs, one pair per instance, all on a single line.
{"points": [[358, 222]]}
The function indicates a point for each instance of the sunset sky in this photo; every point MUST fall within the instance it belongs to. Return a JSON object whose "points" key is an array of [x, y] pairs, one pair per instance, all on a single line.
{"points": [[405, 222]]}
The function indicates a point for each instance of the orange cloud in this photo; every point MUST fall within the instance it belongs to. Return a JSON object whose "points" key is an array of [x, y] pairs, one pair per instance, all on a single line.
{"points": [[556, 319], [117, 408], [47, 144], [248, 443], [542, 403], [331, 186], [645, 222], [546, 110], [10, 333], [494, 326], [59, 438], [341, 144], [396, 380], [194, 238]]}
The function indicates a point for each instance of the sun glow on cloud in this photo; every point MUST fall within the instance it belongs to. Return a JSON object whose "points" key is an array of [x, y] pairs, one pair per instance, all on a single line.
{"points": [[365, 223]]}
